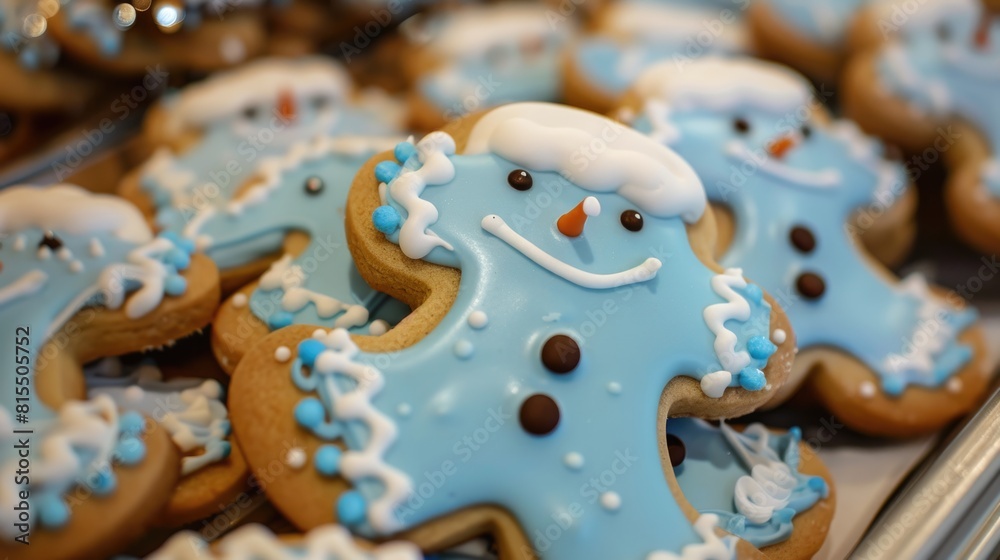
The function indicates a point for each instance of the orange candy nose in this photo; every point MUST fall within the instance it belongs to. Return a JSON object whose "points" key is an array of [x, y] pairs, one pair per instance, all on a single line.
{"points": [[571, 223], [781, 146], [286, 105], [982, 37]]}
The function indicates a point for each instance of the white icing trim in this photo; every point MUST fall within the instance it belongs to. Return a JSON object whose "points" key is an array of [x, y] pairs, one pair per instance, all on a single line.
{"points": [[656, 22], [473, 30], [823, 179], [28, 284], [416, 240], [70, 209], [866, 150], [595, 153], [769, 486], [289, 278], [356, 406], [143, 266], [256, 542], [712, 546], [725, 84], [645, 271], [935, 333], [735, 308]]}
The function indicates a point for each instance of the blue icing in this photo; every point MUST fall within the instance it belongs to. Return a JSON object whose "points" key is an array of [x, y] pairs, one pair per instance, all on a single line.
{"points": [[712, 466], [824, 21], [691, 29], [430, 464], [48, 276], [306, 195], [900, 331], [938, 66]]}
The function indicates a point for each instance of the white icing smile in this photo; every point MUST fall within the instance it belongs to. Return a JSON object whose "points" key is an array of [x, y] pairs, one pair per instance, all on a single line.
{"points": [[739, 153], [645, 271]]}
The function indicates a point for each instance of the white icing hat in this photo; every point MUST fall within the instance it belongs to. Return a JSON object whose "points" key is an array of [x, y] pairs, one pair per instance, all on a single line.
{"points": [[225, 95], [659, 22], [474, 29], [595, 153], [721, 84], [71, 209]]}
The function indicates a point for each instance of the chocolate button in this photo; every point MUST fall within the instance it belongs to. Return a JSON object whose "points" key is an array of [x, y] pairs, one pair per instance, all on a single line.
{"points": [[802, 239], [676, 450], [810, 285], [560, 354], [51, 241], [539, 415]]}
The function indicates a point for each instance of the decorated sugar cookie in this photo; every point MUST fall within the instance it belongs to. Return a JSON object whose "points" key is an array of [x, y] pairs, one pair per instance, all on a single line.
{"points": [[193, 412], [538, 273], [628, 36], [474, 57], [329, 542], [760, 483], [214, 135], [887, 356], [304, 192], [120, 37], [82, 277], [932, 91]]}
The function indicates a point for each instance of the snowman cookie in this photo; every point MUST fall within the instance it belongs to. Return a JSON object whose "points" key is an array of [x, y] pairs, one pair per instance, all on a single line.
{"points": [[214, 135], [565, 304], [472, 57], [196, 35], [887, 356], [931, 90], [193, 412], [82, 278], [302, 195], [628, 36]]}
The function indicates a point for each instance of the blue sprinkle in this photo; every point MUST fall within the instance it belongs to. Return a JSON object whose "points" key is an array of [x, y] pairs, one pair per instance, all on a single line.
{"points": [[52, 512], [760, 347], [279, 320], [309, 350], [351, 508], [130, 450], [309, 412], [752, 379], [386, 171], [327, 460], [818, 485], [404, 150], [796, 433], [226, 448], [104, 483], [893, 385], [784, 515], [131, 423], [175, 285], [755, 294], [227, 428], [386, 219], [177, 257]]}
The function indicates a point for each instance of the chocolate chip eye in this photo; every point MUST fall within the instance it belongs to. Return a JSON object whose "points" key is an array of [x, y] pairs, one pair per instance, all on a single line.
{"points": [[250, 113], [314, 185], [806, 131], [520, 179], [51, 241], [943, 32], [741, 125], [631, 220]]}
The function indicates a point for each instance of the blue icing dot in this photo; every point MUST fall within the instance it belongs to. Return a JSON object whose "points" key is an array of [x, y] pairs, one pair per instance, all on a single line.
{"points": [[104, 483], [404, 150], [309, 349], [754, 293], [177, 257], [52, 512], [760, 348], [351, 508], [819, 485], [386, 171], [327, 460], [796, 433], [386, 219], [226, 448], [184, 244], [752, 379], [130, 450], [309, 412], [227, 428], [131, 423], [893, 385], [175, 285], [279, 320]]}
